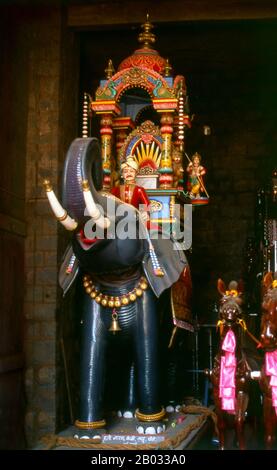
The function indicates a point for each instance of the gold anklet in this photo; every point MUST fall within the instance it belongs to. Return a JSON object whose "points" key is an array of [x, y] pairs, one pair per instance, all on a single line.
{"points": [[90, 425], [153, 417]]}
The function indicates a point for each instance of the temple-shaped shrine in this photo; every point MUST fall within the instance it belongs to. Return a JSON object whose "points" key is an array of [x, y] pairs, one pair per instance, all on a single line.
{"points": [[143, 112]]}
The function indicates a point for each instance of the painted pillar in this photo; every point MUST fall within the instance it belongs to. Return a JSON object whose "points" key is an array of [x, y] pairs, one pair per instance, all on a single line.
{"points": [[166, 171], [122, 126], [106, 133]]}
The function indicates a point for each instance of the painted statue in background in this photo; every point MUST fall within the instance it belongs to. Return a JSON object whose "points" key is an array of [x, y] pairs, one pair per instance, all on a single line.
{"points": [[234, 364], [195, 181]]}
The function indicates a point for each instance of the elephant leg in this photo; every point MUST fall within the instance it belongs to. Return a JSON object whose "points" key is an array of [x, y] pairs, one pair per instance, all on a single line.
{"points": [[168, 355], [131, 389], [92, 371], [242, 402], [147, 362], [121, 374], [130, 400]]}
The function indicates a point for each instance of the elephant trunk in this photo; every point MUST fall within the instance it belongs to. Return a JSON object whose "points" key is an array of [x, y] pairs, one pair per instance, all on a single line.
{"points": [[93, 210], [59, 211]]}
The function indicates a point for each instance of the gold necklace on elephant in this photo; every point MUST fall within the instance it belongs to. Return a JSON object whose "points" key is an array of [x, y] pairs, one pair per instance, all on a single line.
{"points": [[110, 301]]}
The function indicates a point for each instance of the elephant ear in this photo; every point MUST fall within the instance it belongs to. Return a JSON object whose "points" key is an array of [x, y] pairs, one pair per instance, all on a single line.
{"points": [[83, 161], [172, 260]]}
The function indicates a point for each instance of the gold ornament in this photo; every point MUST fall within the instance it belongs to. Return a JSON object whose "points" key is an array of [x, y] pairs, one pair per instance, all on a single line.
{"points": [[90, 425], [109, 70], [167, 69], [153, 417], [146, 37], [110, 301], [114, 325], [143, 285], [125, 301]]}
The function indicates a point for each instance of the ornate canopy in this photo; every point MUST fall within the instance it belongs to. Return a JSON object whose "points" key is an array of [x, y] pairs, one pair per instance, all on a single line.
{"points": [[143, 111]]}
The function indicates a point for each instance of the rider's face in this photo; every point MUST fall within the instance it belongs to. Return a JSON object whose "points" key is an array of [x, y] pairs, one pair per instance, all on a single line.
{"points": [[129, 173]]}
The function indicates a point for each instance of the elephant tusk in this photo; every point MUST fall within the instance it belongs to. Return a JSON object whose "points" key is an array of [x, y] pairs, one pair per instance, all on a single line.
{"points": [[60, 213], [94, 212]]}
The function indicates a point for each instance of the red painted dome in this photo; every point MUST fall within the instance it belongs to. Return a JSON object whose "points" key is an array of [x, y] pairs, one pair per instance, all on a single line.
{"points": [[145, 57]]}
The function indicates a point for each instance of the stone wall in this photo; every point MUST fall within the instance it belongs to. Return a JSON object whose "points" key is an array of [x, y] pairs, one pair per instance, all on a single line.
{"points": [[53, 84], [13, 118]]}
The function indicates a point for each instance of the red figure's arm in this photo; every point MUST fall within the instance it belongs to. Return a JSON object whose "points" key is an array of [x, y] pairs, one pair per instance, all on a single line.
{"points": [[142, 198]]}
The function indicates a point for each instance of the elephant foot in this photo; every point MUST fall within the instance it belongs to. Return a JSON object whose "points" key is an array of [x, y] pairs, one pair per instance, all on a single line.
{"points": [[150, 423], [89, 430], [156, 427], [89, 433], [127, 414], [173, 408]]}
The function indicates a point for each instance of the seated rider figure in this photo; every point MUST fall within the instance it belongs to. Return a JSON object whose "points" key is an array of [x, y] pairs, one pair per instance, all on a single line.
{"points": [[131, 193]]}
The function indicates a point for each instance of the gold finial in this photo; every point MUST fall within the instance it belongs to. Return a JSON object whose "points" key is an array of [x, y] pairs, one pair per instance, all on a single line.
{"points": [[146, 37], [109, 70], [47, 185], [167, 69], [85, 185]]}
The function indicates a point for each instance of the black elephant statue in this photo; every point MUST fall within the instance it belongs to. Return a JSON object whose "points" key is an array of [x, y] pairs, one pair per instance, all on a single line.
{"points": [[119, 292]]}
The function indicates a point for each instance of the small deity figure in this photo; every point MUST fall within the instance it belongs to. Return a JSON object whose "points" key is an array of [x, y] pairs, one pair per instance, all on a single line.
{"points": [[195, 172]]}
